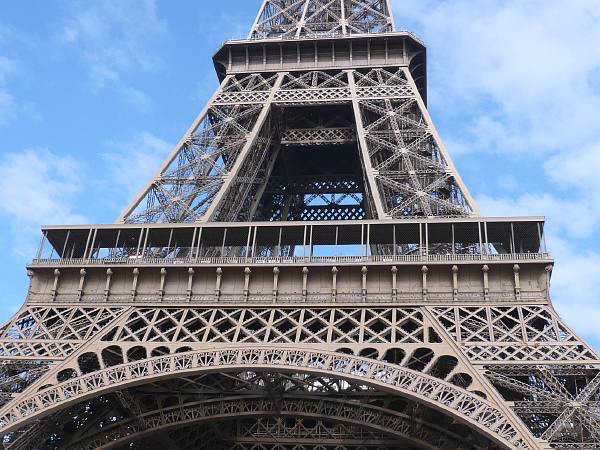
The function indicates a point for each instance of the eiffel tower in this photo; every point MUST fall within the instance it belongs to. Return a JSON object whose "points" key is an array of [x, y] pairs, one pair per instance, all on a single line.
{"points": [[306, 270]]}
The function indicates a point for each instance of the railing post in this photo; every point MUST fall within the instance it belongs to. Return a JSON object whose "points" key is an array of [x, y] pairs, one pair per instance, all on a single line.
{"points": [[189, 285], [364, 272], [454, 282], [334, 272], [109, 274], [275, 283], [516, 269], [424, 270], [219, 272], [486, 286], [394, 271], [304, 283]]}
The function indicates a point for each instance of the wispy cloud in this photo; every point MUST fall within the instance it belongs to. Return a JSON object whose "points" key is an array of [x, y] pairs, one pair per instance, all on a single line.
{"points": [[131, 164], [38, 187], [574, 280], [114, 39], [135, 97], [526, 71], [8, 105], [7, 67], [228, 24], [521, 80], [11, 71]]}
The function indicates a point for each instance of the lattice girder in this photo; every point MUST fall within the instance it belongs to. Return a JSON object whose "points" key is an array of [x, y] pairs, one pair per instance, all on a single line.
{"points": [[413, 171], [559, 402], [209, 156], [421, 325], [466, 407], [419, 335], [344, 421], [301, 18], [221, 169]]}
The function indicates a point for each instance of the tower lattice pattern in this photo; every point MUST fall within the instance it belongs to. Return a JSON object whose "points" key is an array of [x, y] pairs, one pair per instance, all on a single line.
{"points": [[306, 270]]}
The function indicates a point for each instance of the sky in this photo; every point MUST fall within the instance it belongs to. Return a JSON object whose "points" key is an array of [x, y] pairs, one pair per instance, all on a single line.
{"points": [[94, 94]]}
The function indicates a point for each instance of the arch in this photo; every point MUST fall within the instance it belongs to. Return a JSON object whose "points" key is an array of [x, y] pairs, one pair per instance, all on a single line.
{"points": [[443, 366], [66, 374], [159, 351], [420, 358], [112, 356], [394, 355], [369, 352], [373, 418], [88, 363], [466, 407], [137, 353], [345, 351], [481, 394], [460, 379]]}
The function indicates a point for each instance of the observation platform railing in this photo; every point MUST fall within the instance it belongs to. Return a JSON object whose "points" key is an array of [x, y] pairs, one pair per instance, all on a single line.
{"points": [[439, 240], [136, 261]]}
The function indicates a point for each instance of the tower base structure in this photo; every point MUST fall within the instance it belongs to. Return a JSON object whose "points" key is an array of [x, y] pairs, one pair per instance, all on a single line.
{"points": [[306, 270], [403, 334]]}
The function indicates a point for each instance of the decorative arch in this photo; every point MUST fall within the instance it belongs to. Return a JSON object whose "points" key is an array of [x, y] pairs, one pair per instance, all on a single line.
{"points": [[478, 413], [397, 425]]}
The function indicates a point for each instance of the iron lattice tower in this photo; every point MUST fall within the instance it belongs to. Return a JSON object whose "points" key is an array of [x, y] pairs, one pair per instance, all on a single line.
{"points": [[306, 270]]}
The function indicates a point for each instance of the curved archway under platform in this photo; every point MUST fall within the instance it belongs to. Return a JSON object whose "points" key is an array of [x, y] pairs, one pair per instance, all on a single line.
{"points": [[336, 421], [479, 414]]}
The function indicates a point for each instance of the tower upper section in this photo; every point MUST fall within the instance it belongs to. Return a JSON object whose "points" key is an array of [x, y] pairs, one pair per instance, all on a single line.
{"points": [[296, 35], [287, 19], [320, 115]]}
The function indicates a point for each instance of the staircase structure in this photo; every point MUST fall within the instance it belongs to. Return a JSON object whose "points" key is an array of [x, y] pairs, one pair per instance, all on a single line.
{"points": [[306, 270]]}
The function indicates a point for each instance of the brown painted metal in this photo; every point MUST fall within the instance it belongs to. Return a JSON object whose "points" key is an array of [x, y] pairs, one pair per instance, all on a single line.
{"points": [[306, 270]]}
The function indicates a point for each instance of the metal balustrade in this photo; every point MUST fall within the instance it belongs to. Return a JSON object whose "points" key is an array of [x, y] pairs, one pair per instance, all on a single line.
{"points": [[133, 261]]}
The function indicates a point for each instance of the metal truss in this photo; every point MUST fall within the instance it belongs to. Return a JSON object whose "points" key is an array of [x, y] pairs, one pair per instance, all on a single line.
{"points": [[318, 136], [211, 154], [313, 198], [560, 402], [420, 326], [289, 429], [221, 170], [46, 334], [413, 171], [512, 333], [469, 408], [289, 19], [295, 420], [138, 343]]}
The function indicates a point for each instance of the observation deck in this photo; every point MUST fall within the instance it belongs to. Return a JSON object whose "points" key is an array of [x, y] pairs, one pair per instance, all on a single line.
{"points": [[325, 52], [436, 241], [411, 261]]}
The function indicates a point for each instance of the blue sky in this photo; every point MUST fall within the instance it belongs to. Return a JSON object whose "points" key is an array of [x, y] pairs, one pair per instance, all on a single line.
{"points": [[94, 94]]}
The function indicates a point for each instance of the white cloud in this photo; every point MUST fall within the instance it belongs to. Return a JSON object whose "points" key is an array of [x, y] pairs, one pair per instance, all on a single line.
{"points": [[575, 291], [7, 67], [578, 169], [525, 71], [114, 40], [228, 24], [12, 107], [135, 98], [131, 164], [38, 187], [546, 204], [8, 105], [521, 80]]}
